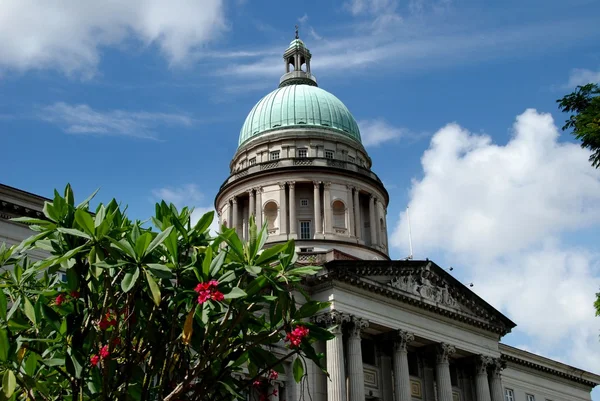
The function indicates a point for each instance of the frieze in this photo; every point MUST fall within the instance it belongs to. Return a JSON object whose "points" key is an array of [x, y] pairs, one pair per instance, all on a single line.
{"points": [[420, 284]]}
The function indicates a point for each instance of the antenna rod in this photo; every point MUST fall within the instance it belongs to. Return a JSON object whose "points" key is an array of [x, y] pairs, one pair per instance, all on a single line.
{"points": [[409, 235]]}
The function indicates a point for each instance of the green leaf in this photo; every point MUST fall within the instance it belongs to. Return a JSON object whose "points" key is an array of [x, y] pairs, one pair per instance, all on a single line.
{"points": [[298, 369], [304, 271], [9, 383], [86, 202], [54, 362], [100, 215], [310, 308], [141, 244], [159, 239], [3, 305], [270, 254], [235, 292], [73, 231], [216, 264], [205, 221], [256, 285], [50, 315], [31, 364], [85, 221], [29, 310], [74, 365], [130, 278], [3, 345], [160, 271], [154, 290], [206, 263]]}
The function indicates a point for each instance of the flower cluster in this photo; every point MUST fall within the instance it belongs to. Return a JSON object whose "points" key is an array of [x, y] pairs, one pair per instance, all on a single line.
{"points": [[261, 385], [104, 353], [62, 298], [208, 291], [295, 336], [108, 320]]}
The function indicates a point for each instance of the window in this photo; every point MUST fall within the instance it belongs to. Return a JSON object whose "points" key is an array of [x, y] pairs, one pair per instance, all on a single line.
{"points": [[509, 394], [274, 155], [307, 249], [305, 229], [361, 162], [413, 364], [368, 351], [303, 202], [303, 153], [351, 159], [252, 161], [530, 397], [329, 154]]}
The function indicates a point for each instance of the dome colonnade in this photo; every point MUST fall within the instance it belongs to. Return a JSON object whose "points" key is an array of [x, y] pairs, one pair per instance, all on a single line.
{"points": [[301, 168]]}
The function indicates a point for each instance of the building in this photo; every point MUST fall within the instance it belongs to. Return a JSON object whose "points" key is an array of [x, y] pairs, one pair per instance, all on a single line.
{"points": [[405, 330]]}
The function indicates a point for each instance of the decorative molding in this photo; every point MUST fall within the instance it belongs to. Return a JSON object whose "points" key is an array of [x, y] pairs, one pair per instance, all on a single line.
{"points": [[371, 378], [444, 351], [498, 365], [292, 184], [233, 200], [281, 185], [415, 388], [317, 184], [401, 340], [455, 396], [327, 185]]}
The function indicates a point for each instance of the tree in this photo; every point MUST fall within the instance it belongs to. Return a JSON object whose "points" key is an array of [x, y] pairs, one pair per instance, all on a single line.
{"points": [[585, 122], [148, 315]]}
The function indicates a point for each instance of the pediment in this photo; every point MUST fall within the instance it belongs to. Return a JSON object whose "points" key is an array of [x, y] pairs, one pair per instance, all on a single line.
{"points": [[424, 284]]}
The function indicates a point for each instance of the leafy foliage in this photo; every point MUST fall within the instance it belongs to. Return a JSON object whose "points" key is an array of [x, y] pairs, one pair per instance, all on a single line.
{"points": [[118, 311], [585, 122]]}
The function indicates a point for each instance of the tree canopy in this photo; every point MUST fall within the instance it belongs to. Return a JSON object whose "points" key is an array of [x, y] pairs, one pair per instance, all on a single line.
{"points": [[584, 104], [121, 311]]}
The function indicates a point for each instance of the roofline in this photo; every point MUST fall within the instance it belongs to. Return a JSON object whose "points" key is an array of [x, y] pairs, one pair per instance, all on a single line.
{"points": [[25, 193], [544, 364]]}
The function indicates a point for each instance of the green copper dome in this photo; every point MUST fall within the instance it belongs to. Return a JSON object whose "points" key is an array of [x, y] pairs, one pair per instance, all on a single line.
{"points": [[299, 106]]}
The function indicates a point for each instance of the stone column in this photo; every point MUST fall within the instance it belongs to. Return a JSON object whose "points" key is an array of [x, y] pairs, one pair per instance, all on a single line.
{"points": [[274, 391], [496, 380], [442, 372], [336, 385], [236, 215], [401, 374], [357, 223], [293, 222], [317, 205], [482, 387], [327, 211], [252, 205], [293, 389], [350, 210], [282, 209], [496, 389], [356, 374], [387, 392], [259, 212], [372, 222]]}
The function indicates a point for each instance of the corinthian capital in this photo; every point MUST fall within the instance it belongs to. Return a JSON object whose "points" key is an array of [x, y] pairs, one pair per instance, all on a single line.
{"points": [[497, 366], [401, 340], [444, 351], [333, 319], [358, 325], [481, 364]]}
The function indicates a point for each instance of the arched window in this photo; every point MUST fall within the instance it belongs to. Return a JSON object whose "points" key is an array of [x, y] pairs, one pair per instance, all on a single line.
{"points": [[271, 215], [339, 214]]}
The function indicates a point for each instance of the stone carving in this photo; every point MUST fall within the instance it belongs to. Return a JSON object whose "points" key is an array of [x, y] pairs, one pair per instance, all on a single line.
{"points": [[402, 338], [497, 366], [291, 184], [421, 285], [281, 185], [481, 364], [444, 351], [359, 324], [333, 319]]}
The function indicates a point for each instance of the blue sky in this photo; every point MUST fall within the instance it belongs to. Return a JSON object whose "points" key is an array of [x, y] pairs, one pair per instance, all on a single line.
{"points": [[145, 100]]}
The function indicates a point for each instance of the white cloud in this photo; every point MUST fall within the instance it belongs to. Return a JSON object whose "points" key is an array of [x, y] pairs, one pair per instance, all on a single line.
{"points": [[507, 214], [70, 37], [582, 76], [82, 119], [377, 131], [188, 195]]}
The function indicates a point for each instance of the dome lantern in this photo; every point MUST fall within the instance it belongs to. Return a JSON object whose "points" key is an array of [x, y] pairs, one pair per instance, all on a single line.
{"points": [[296, 57]]}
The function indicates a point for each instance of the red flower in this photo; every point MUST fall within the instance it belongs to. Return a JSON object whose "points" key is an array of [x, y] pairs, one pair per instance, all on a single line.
{"points": [[295, 336], [256, 383], [107, 321], [208, 291], [104, 352], [273, 375], [74, 294], [116, 341], [59, 299], [274, 393], [94, 360]]}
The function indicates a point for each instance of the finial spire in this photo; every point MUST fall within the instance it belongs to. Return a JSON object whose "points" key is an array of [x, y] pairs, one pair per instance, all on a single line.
{"points": [[297, 36]]}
